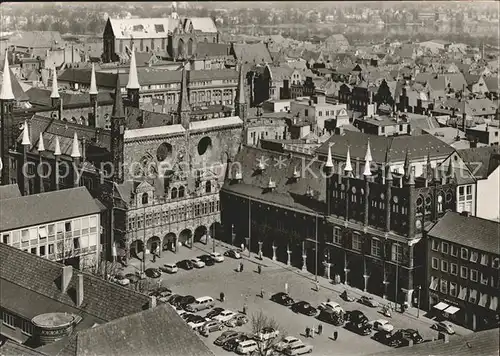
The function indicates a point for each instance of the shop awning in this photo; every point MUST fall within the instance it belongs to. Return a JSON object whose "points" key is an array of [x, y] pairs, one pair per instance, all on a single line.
{"points": [[441, 306], [451, 310]]}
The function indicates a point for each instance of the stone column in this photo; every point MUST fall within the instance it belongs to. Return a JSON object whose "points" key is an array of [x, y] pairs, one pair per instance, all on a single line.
{"points": [[260, 250], [274, 252], [289, 259]]}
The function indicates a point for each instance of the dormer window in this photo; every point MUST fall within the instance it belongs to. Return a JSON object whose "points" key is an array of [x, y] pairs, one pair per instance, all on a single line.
{"points": [[145, 198]]}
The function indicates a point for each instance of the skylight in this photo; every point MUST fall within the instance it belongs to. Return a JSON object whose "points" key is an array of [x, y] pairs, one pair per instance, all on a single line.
{"points": [[159, 28]]}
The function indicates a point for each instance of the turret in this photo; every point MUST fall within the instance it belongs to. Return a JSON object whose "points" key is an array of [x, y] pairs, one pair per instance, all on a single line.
{"points": [[6, 105], [348, 174], [26, 143], [133, 85], [184, 110], [406, 165], [54, 95], [348, 166], [117, 134], [57, 156], [411, 205], [41, 149], [93, 97], [240, 102], [75, 154], [328, 171]]}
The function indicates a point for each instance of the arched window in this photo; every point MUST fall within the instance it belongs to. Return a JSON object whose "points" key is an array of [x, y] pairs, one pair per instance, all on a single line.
{"points": [[145, 198], [181, 191], [208, 187], [173, 193]]}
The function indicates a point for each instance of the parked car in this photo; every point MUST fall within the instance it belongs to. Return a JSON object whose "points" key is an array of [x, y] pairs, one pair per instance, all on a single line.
{"points": [[225, 315], [207, 260], [283, 299], [237, 320], [266, 334], [174, 300], [299, 349], [412, 334], [120, 279], [180, 311], [356, 316], [369, 301], [200, 303], [162, 294], [214, 312], [444, 326], [286, 342], [233, 254], [232, 343], [331, 305], [382, 325], [197, 262], [304, 308], [359, 328], [383, 337], [217, 257], [132, 277], [188, 316], [401, 338], [330, 316], [169, 268], [153, 273], [185, 264], [246, 347], [184, 301], [197, 322], [226, 335], [212, 325]]}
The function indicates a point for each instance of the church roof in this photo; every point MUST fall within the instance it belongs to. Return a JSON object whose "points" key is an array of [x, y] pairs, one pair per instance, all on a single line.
{"points": [[142, 28]]}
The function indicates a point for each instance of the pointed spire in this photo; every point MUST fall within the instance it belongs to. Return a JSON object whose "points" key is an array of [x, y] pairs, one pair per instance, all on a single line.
{"points": [[75, 152], [348, 166], [93, 82], [329, 160], [240, 96], [428, 167], [133, 81], [368, 155], [41, 146], [57, 149], [6, 93], [55, 88], [26, 135], [184, 102], [451, 169], [406, 166], [367, 172], [118, 104]]}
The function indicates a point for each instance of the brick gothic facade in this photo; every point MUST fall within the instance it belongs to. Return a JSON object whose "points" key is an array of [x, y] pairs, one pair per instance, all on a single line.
{"points": [[368, 233]]}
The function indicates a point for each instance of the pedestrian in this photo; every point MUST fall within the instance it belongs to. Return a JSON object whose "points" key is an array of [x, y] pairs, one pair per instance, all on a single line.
{"points": [[241, 267], [335, 335], [308, 332], [320, 329], [222, 296], [312, 333], [328, 300], [245, 309], [259, 269], [262, 293]]}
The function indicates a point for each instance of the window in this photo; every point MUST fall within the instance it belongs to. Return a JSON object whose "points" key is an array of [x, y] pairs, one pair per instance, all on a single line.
{"points": [[444, 247], [453, 269], [444, 266], [8, 319], [484, 279], [474, 256], [208, 186], [337, 235], [453, 289], [473, 296], [434, 283], [400, 127], [173, 193], [473, 275], [27, 327], [376, 247], [67, 226], [435, 263], [181, 191], [464, 253], [435, 245], [463, 293], [42, 250], [5, 238], [443, 286], [464, 272], [33, 250], [484, 259], [397, 252], [93, 224], [51, 249], [306, 112], [495, 263], [454, 250], [356, 242], [320, 113]]}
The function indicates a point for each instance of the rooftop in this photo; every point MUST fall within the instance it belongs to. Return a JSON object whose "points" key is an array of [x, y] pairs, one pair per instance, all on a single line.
{"points": [[142, 28], [481, 160], [470, 231], [36, 207], [154, 131]]}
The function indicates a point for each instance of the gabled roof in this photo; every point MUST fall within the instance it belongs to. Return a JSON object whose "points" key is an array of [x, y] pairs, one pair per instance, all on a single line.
{"points": [[482, 161], [9, 191], [77, 75], [12, 348], [480, 234], [29, 210], [208, 49], [252, 53], [417, 146], [280, 73], [103, 300], [203, 24], [41, 97], [142, 28], [156, 332], [492, 84]]}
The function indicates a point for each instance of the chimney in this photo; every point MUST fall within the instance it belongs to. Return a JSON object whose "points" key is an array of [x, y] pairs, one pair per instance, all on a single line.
{"points": [[152, 302], [79, 290], [67, 274]]}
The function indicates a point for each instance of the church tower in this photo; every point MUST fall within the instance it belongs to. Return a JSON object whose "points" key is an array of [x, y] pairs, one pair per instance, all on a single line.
{"points": [[6, 106], [240, 102], [184, 110], [133, 82], [117, 134]]}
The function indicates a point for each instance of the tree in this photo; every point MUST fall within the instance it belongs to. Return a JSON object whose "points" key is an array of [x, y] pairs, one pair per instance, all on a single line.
{"points": [[260, 321]]}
